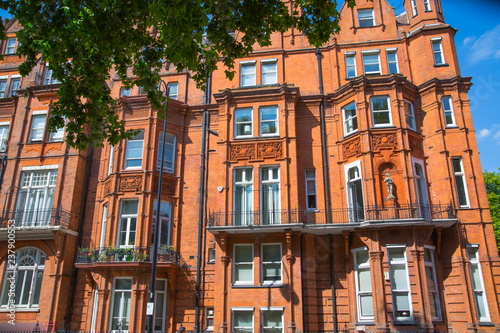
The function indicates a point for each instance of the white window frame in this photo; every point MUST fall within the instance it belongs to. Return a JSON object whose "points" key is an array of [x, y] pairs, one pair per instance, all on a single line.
{"points": [[350, 55], [392, 51], [173, 92], [481, 290], [438, 6], [365, 63], [47, 79], [427, 5], [3, 86], [124, 92], [125, 226], [236, 263], [58, 135], [354, 211], [10, 46], [393, 263], [273, 214], [449, 112], [350, 119], [111, 160], [432, 264], [161, 315], [209, 323], [13, 90], [95, 305], [359, 294], [33, 255], [311, 189], [381, 111], [121, 305], [127, 151], [439, 42], [372, 18], [460, 174], [264, 263], [245, 215], [242, 309], [4, 134], [168, 159], [40, 127], [275, 120], [272, 73], [245, 123], [420, 178], [414, 7], [410, 114], [165, 218], [265, 310], [103, 225], [248, 64]]}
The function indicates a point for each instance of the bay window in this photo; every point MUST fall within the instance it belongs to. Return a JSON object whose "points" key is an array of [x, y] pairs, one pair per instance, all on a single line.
{"points": [[268, 120], [350, 118], [133, 153], [354, 185], [37, 126], [449, 117], [437, 50], [371, 62], [243, 123], [410, 115], [381, 111], [460, 183], [168, 153], [164, 231]]}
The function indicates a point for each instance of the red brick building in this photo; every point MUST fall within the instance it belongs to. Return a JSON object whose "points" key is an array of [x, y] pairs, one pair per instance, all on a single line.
{"points": [[343, 192]]}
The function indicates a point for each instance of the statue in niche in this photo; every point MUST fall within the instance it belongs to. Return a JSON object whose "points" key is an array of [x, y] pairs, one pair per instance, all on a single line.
{"points": [[390, 186]]}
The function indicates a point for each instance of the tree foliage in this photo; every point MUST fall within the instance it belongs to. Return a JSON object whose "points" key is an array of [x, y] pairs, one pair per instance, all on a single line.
{"points": [[492, 182], [134, 38]]}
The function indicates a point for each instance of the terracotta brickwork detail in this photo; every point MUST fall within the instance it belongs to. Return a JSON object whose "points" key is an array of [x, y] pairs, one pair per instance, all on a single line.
{"points": [[256, 151], [130, 183], [384, 141], [351, 148]]}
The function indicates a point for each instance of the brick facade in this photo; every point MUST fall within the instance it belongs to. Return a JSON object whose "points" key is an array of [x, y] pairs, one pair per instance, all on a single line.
{"points": [[374, 183]]}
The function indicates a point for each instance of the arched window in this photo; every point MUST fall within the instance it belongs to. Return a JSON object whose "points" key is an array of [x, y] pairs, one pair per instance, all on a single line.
{"points": [[23, 281]]}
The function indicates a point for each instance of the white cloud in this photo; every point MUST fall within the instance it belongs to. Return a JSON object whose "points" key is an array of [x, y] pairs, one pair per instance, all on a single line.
{"points": [[485, 47], [497, 135], [483, 133]]}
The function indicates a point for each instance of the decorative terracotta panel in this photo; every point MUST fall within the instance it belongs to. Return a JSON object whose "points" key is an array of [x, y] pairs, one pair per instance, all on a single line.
{"points": [[242, 151], [415, 144], [384, 141], [351, 148], [130, 183], [269, 150]]}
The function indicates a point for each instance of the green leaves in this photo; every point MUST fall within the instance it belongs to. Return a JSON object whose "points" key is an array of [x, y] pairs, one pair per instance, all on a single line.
{"points": [[492, 182], [130, 40]]}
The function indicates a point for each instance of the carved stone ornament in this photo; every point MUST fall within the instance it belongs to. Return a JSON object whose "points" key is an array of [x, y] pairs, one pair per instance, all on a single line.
{"points": [[351, 148], [269, 150], [130, 183], [415, 144], [253, 151], [244, 151], [107, 186], [167, 185], [384, 141]]}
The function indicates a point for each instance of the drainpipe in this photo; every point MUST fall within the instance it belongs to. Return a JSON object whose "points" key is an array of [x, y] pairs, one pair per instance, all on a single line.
{"points": [[326, 182]]}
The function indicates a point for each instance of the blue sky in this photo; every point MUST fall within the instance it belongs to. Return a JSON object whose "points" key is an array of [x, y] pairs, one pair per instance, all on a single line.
{"points": [[478, 48]]}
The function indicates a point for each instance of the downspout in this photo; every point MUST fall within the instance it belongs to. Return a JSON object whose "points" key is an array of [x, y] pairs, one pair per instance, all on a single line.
{"points": [[326, 183]]}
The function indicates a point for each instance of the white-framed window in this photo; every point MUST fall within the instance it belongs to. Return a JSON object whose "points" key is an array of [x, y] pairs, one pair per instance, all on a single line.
{"points": [[414, 7], [269, 69], [272, 320], [420, 183], [209, 326], [354, 187], [371, 62], [103, 225], [95, 305], [48, 76], [128, 223], [398, 271], [248, 75], [111, 159], [350, 118], [124, 91], [242, 320], [173, 92], [449, 116], [121, 304], [478, 289], [268, 120], [427, 5], [270, 195], [4, 135], [160, 308], [381, 111], [271, 270], [392, 60], [133, 153], [438, 6], [362, 276], [460, 183], [366, 18], [243, 122], [58, 135], [27, 274], [10, 46], [437, 50], [36, 198], [211, 255], [168, 153], [432, 284], [14, 86], [243, 196], [164, 233], [243, 264], [410, 115], [311, 189], [3, 87], [142, 91], [350, 64], [37, 127]]}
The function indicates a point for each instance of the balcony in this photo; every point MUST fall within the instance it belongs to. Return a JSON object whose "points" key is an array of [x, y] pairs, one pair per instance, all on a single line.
{"points": [[35, 224], [126, 256], [315, 221]]}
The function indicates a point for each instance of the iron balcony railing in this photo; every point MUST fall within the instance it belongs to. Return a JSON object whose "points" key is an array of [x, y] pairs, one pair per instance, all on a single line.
{"points": [[338, 216], [37, 218], [124, 254]]}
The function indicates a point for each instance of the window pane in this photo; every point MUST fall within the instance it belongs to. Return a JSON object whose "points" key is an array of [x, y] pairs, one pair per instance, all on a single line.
{"points": [[129, 207], [462, 197], [243, 318], [364, 281], [398, 277], [476, 277], [272, 272], [362, 258], [243, 272], [397, 254], [366, 303], [480, 301], [402, 302], [38, 287], [271, 252], [272, 318], [243, 253]]}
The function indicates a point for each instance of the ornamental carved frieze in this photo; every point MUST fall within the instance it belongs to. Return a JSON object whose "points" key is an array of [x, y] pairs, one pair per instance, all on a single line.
{"points": [[130, 183], [351, 148], [269, 150], [384, 141], [243, 151], [255, 151], [107, 186], [167, 185], [415, 144]]}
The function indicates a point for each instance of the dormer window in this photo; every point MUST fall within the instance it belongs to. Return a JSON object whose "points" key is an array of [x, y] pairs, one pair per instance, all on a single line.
{"points": [[366, 18]]}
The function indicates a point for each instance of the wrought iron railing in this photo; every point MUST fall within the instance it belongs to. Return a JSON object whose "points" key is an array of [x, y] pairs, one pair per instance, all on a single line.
{"points": [[338, 216], [124, 254], [37, 218]]}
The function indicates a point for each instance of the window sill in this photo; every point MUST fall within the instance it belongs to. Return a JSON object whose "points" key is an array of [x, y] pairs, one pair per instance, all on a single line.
{"points": [[404, 322], [452, 126], [486, 323], [365, 323], [3, 310], [441, 65], [383, 126], [350, 135], [251, 286]]}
